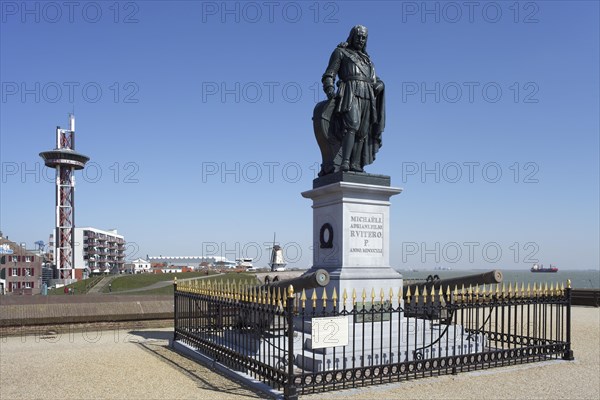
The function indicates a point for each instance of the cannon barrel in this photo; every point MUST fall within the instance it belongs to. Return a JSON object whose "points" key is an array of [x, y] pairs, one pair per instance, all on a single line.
{"points": [[494, 276], [319, 278]]}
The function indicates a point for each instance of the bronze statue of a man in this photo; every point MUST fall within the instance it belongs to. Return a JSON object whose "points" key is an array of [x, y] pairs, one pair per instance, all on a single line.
{"points": [[349, 124]]}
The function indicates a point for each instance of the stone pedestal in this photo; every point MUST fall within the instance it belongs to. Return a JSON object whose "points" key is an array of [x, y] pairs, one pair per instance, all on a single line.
{"points": [[351, 234]]}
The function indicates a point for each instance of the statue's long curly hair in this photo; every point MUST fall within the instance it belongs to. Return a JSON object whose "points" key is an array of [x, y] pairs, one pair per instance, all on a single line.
{"points": [[353, 31]]}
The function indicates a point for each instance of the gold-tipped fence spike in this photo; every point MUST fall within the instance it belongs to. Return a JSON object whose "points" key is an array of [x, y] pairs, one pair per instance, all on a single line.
{"points": [[509, 290], [334, 296], [373, 295], [354, 297], [408, 293], [314, 298], [477, 293], [424, 292], [345, 297], [462, 293], [303, 299], [391, 294], [522, 293], [381, 295], [545, 288], [535, 290], [440, 293], [448, 291], [324, 297], [528, 289], [562, 288], [456, 292], [364, 295], [416, 292], [568, 284]]}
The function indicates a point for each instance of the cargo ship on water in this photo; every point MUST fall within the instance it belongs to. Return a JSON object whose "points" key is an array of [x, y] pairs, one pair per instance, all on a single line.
{"points": [[541, 268]]}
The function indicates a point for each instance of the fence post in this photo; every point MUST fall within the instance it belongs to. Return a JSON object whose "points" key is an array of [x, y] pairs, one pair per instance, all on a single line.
{"points": [[289, 391], [175, 309], [568, 355]]}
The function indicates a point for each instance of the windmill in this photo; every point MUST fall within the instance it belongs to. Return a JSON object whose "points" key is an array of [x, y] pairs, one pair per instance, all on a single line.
{"points": [[277, 263]]}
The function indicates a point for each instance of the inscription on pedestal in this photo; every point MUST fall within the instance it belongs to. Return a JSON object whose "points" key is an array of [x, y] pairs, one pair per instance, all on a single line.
{"points": [[366, 234]]}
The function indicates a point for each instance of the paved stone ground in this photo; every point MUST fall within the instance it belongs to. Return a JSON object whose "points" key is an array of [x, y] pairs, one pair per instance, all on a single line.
{"points": [[138, 364]]}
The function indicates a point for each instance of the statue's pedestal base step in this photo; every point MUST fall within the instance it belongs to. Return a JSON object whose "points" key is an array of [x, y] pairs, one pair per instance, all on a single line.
{"points": [[385, 342]]}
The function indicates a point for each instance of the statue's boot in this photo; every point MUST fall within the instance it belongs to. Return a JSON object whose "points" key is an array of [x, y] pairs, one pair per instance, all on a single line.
{"points": [[347, 147], [356, 156]]}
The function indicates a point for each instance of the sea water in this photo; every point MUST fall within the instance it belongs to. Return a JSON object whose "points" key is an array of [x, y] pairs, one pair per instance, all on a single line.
{"points": [[580, 279]]}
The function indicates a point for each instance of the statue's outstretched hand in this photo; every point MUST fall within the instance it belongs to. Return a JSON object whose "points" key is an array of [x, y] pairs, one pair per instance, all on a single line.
{"points": [[330, 92]]}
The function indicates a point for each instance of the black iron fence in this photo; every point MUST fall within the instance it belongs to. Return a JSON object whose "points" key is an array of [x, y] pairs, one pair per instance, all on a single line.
{"points": [[310, 342]]}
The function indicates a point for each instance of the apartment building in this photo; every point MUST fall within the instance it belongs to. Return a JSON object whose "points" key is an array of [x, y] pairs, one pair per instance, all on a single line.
{"points": [[20, 269], [98, 251]]}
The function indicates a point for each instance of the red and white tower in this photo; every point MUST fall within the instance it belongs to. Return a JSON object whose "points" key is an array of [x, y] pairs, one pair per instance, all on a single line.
{"points": [[65, 160]]}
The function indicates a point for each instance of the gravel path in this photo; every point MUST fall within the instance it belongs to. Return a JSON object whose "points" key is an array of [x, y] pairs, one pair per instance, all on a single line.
{"points": [[140, 365]]}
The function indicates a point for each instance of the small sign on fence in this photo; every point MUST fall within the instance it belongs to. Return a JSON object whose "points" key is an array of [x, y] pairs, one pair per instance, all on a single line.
{"points": [[329, 332]]}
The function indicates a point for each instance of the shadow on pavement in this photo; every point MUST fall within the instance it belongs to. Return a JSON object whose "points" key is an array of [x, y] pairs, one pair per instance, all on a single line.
{"points": [[206, 378]]}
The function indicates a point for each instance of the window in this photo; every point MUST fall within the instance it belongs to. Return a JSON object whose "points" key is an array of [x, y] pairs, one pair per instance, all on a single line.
{"points": [[28, 285], [14, 272], [28, 258], [14, 286], [14, 259], [28, 271]]}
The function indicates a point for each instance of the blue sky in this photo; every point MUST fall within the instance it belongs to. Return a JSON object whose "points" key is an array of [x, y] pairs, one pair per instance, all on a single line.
{"points": [[197, 119]]}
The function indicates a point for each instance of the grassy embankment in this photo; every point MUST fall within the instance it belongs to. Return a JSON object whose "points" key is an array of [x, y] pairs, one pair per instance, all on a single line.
{"points": [[80, 287], [124, 283]]}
